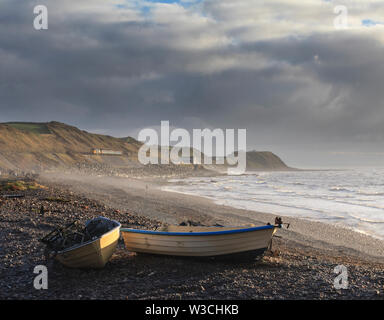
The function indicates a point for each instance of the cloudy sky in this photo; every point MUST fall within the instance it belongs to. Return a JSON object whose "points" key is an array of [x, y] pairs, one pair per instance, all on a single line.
{"points": [[308, 90]]}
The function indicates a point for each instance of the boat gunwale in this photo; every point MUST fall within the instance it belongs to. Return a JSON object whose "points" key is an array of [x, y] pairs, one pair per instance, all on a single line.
{"points": [[204, 233], [91, 241]]}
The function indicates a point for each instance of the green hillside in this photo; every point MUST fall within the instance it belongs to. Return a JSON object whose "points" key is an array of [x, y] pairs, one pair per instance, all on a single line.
{"points": [[33, 127]]}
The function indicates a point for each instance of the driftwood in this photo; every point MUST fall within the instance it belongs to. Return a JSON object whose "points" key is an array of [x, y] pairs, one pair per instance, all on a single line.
{"points": [[13, 196]]}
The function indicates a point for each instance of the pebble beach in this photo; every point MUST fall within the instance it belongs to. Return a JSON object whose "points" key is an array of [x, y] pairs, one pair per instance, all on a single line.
{"points": [[299, 266]]}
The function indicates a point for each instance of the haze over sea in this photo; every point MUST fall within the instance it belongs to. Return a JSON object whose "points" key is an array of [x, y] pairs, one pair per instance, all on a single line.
{"points": [[348, 198]]}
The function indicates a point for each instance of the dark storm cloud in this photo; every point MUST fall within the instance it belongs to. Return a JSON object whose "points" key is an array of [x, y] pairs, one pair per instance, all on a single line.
{"points": [[353, 66], [293, 94]]}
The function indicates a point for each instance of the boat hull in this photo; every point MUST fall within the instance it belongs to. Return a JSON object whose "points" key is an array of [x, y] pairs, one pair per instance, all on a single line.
{"points": [[200, 243], [94, 254]]}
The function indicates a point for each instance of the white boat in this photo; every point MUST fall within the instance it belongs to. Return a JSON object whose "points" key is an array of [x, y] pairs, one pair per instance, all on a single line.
{"points": [[199, 241]]}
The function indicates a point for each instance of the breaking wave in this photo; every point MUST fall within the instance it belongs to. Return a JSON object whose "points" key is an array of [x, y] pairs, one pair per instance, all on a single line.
{"points": [[351, 198]]}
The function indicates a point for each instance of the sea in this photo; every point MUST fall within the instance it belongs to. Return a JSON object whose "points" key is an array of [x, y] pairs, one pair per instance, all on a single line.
{"points": [[349, 198]]}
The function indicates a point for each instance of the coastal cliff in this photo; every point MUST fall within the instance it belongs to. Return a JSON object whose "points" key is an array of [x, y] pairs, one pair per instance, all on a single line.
{"points": [[53, 145]]}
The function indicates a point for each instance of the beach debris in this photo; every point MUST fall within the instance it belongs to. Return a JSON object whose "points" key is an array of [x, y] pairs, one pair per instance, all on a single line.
{"points": [[20, 185], [13, 196], [53, 199]]}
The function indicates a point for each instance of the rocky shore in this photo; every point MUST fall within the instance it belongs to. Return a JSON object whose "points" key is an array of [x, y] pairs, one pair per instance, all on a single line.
{"points": [[290, 271]]}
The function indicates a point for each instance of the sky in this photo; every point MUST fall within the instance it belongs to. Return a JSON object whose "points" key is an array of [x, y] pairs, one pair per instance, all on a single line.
{"points": [[304, 88]]}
